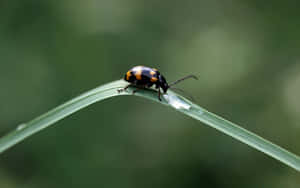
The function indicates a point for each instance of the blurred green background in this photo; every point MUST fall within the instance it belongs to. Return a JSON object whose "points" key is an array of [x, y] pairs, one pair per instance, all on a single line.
{"points": [[246, 54]]}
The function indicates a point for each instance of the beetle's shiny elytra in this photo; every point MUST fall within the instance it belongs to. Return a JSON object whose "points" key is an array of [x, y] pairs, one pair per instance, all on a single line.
{"points": [[145, 77]]}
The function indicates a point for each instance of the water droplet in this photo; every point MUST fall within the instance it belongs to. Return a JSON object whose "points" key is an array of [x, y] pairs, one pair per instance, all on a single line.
{"points": [[200, 112], [21, 126], [176, 102]]}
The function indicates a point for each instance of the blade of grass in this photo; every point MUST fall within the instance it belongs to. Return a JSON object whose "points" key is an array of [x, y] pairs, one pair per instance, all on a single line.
{"points": [[171, 99]]}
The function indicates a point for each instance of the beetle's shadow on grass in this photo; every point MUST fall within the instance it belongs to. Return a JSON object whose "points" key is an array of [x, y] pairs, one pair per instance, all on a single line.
{"points": [[135, 89], [144, 91]]}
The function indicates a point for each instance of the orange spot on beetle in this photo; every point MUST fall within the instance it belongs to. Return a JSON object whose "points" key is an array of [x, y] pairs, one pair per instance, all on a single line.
{"points": [[153, 79], [152, 72], [138, 74], [128, 74]]}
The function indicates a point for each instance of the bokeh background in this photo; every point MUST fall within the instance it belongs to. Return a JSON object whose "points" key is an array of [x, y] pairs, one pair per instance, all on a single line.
{"points": [[246, 54]]}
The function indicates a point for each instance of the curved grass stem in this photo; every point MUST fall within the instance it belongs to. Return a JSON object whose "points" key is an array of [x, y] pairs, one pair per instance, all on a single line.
{"points": [[171, 99]]}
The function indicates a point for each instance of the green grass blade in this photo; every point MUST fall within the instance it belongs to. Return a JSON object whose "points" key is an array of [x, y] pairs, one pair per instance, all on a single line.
{"points": [[171, 99], [26, 129]]}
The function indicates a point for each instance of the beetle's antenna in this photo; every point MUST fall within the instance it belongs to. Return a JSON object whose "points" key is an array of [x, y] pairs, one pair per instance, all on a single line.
{"points": [[184, 78], [184, 92]]}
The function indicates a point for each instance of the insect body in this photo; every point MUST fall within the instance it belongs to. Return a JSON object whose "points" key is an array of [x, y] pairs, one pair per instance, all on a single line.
{"points": [[145, 77]]}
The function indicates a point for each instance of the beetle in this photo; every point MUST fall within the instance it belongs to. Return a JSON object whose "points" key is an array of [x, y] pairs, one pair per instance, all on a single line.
{"points": [[144, 77]]}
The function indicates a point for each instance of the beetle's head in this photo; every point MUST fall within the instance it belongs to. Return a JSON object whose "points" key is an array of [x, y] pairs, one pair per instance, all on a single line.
{"points": [[163, 83]]}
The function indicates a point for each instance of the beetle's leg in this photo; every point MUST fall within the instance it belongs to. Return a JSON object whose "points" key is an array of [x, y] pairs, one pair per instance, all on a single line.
{"points": [[123, 89], [159, 94], [149, 85], [138, 88]]}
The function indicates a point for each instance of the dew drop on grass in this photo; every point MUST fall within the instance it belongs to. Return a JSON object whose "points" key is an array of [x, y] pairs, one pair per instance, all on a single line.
{"points": [[176, 102], [21, 126], [200, 112]]}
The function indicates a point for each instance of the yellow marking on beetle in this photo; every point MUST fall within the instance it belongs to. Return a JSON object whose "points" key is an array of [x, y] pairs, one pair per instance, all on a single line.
{"points": [[153, 79], [152, 72], [138, 74], [128, 74]]}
